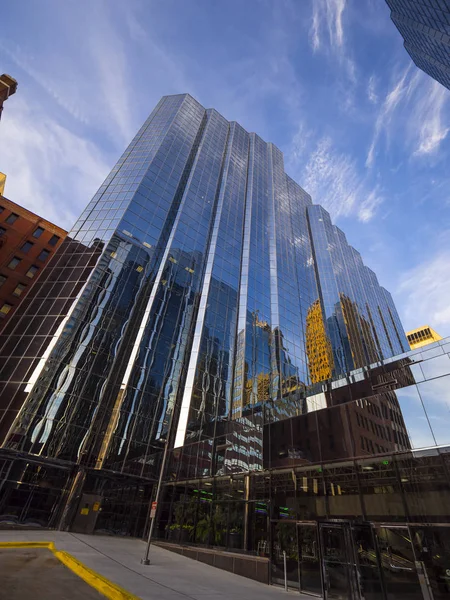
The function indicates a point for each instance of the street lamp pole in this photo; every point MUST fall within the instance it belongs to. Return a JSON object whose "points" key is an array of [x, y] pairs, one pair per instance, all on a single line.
{"points": [[146, 560]]}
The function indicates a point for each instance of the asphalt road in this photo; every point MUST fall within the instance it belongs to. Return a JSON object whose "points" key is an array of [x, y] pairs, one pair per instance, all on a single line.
{"points": [[35, 574]]}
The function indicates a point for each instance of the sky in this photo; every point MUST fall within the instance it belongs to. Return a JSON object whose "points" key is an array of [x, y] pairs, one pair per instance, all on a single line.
{"points": [[362, 129]]}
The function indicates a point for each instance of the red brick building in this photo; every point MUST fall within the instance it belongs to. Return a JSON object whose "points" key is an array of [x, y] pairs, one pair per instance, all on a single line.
{"points": [[27, 242], [8, 87]]}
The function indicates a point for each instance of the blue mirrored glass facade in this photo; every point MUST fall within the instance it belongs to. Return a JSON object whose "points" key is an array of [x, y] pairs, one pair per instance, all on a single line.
{"points": [[425, 27], [198, 296]]}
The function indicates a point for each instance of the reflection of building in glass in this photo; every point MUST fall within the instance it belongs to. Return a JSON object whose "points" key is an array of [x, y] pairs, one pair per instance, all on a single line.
{"points": [[318, 346], [422, 336], [425, 27], [201, 304], [360, 318]]}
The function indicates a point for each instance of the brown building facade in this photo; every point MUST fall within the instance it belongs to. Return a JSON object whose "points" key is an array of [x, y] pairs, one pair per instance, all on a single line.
{"points": [[8, 87], [27, 242]]}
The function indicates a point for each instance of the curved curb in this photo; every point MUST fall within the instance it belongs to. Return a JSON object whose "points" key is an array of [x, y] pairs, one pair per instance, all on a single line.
{"points": [[92, 578]]}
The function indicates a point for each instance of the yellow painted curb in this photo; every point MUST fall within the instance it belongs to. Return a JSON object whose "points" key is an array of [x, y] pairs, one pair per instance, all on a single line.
{"points": [[95, 580]]}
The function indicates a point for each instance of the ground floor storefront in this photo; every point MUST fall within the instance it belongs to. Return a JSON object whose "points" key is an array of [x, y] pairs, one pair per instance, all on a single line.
{"points": [[370, 528], [346, 560]]}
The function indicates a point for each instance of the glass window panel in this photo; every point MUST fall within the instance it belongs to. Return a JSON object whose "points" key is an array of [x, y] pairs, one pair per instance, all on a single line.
{"points": [[43, 255], [435, 396], [14, 262], [27, 247], [413, 415], [38, 232], [4, 310], [12, 218], [435, 367]]}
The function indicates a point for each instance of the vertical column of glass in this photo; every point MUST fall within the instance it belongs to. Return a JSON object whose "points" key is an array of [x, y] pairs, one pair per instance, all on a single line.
{"points": [[346, 281], [374, 335], [384, 331], [149, 388], [356, 303], [314, 337], [395, 319], [321, 233], [207, 391], [275, 389], [289, 337], [61, 408]]}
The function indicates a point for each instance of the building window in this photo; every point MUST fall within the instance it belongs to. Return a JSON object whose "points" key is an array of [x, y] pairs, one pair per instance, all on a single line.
{"points": [[4, 310], [3, 278], [2, 208], [32, 271], [38, 232], [19, 289], [2, 231], [43, 255], [27, 247], [11, 219], [53, 240], [14, 262]]}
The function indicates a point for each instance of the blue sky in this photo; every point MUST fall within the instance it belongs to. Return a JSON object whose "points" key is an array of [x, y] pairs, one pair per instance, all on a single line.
{"points": [[362, 129]]}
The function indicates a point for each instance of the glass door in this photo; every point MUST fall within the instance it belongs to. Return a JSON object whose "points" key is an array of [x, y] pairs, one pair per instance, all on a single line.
{"points": [[338, 562], [309, 567], [398, 564]]}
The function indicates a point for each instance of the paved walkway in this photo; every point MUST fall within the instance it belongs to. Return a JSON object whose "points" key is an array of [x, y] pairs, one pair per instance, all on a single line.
{"points": [[169, 577]]}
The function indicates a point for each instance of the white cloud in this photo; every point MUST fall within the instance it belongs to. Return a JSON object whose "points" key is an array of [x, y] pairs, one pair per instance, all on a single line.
{"points": [[371, 93], [50, 170], [401, 88], [430, 108], [421, 109], [369, 205], [332, 178], [327, 19], [425, 290]]}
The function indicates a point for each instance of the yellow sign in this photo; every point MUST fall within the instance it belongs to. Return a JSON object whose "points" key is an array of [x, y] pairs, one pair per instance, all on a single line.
{"points": [[96, 506], [84, 511]]}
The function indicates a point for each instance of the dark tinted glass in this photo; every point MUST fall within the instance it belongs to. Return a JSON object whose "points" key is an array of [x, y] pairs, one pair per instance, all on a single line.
{"points": [[27, 247], [38, 232], [12, 218]]}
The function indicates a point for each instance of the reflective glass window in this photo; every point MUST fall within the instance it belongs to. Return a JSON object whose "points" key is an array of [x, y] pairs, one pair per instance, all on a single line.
{"points": [[4, 310], [411, 415], [27, 247], [19, 289], [54, 240], [32, 271], [435, 395], [38, 232], [12, 218], [14, 262], [43, 255]]}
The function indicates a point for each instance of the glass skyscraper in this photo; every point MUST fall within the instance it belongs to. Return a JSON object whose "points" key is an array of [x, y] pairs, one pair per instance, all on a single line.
{"points": [[204, 309], [184, 292], [425, 27]]}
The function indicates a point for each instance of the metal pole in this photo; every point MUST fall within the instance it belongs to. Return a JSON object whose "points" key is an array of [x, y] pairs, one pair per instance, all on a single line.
{"points": [[146, 560], [285, 571]]}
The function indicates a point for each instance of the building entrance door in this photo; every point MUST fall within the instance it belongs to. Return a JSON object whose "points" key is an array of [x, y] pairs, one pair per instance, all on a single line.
{"points": [[309, 568], [338, 562], [400, 576]]}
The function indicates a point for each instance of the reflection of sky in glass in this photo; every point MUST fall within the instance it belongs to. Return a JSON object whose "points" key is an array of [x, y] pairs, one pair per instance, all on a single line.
{"points": [[435, 395], [415, 418]]}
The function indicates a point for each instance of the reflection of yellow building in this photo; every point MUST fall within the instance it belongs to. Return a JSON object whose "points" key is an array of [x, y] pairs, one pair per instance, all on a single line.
{"points": [[422, 336], [318, 346]]}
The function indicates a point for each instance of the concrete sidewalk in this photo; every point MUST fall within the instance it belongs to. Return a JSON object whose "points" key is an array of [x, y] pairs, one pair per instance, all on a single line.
{"points": [[169, 577]]}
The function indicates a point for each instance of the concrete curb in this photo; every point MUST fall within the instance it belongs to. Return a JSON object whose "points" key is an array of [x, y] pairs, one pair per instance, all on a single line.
{"points": [[92, 578]]}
